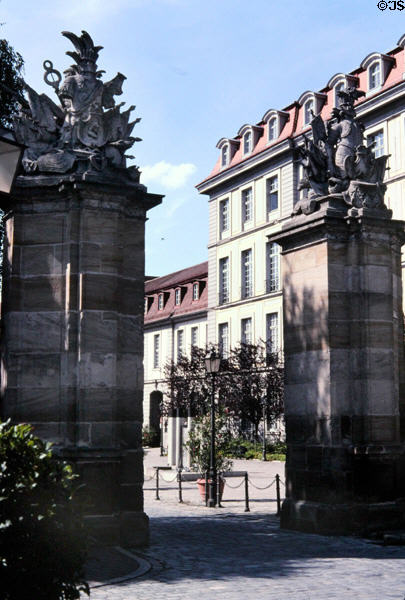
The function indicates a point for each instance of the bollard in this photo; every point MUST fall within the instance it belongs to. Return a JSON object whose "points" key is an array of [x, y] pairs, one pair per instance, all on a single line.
{"points": [[219, 481], [247, 509], [180, 489], [206, 488], [278, 494], [157, 484]]}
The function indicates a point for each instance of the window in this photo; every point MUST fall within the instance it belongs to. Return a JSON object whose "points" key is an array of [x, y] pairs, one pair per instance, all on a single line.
{"points": [[339, 87], [180, 343], [224, 155], [224, 215], [156, 350], [273, 129], [246, 331], [160, 302], [224, 280], [272, 267], [308, 112], [223, 339], [196, 291], [194, 336], [247, 205], [272, 333], [146, 306], [272, 194], [374, 76], [376, 141], [247, 142], [246, 275], [177, 297]]}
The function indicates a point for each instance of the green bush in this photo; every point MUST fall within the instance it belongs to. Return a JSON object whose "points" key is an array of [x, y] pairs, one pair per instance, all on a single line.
{"points": [[42, 538], [199, 443], [239, 447], [150, 437]]}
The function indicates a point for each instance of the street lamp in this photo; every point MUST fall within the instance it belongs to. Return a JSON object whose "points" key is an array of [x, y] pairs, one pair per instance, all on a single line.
{"points": [[10, 158], [212, 364], [264, 404]]}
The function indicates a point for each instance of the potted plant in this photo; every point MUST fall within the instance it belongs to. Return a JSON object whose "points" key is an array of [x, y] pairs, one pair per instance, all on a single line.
{"points": [[199, 447]]}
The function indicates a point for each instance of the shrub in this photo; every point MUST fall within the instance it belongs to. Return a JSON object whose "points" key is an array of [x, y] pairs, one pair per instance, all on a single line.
{"points": [[42, 539], [239, 447], [150, 437], [199, 443]]}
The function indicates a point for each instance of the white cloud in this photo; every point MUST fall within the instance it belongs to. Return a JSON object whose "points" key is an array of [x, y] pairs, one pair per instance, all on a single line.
{"points": [[170, 176]]}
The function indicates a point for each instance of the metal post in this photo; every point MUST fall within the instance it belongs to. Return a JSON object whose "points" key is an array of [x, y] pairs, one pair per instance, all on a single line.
{"points": [[212, 499], [157, 484], [206, 488], [278, 494], [264, 457], [219, 493], [247, 509], [161, 436], [180, 489]]}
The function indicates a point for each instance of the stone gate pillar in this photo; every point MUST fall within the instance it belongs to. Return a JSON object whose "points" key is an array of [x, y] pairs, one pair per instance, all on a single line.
{"points": [[73, 289], [343, 336]]}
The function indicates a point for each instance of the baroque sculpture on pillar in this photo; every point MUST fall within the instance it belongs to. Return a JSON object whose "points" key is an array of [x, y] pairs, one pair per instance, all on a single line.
{"points": [[337, 163], [73, 288]]}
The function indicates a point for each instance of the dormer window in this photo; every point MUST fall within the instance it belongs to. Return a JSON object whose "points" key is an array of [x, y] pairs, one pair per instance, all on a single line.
{"points": [[339, 87], [196, 291], [308, 111], [225, 156], [247, 142], [273, 133], [340, 82], [177, 297], [161, 302], [374, 76]]}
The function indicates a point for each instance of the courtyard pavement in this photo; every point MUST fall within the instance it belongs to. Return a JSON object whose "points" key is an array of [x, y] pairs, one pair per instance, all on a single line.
{"points": [[196, 552]]}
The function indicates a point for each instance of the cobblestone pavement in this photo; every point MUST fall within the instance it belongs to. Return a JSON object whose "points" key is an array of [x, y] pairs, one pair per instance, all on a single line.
{"points": [[196, 552]]}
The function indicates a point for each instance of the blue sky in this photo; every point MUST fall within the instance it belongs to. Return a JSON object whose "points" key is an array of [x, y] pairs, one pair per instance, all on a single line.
{"points": [[197, 70]]}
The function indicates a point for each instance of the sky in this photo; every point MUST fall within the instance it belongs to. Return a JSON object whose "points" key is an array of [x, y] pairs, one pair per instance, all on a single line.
{"points": [[197, 70]]}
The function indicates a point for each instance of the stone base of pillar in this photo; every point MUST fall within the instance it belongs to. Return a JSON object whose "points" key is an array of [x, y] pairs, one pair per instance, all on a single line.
{"points": [[342, 519], [128, 529]]}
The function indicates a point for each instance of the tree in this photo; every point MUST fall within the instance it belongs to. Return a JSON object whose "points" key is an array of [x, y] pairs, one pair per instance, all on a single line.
{"points": [[249, 380], [11, 82], [42, 539]]}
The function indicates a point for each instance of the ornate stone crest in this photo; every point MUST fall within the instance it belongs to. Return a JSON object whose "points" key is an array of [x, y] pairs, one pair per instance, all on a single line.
{"points": [[85, 135], [337, 164]]}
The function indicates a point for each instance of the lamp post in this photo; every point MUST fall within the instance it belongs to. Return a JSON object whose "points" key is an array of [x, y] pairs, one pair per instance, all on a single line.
{"points": [[212, 364], [264, 400]]}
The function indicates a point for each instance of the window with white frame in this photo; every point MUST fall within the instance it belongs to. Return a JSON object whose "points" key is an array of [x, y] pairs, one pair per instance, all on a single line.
{"points": [[196, 291], [194, 336], [156, 350], [272, 343], [180, 343], [223, 339], [376, 141], [246, 274], [224, 155], [308, 111], [224, 215], [247, 142], [273, 129], [272, 267], [339, 87], [272, 193], [224, 280], [374, 76], [177, 297], [161, 302], [247, 205], [246, 331], [145, 308]]}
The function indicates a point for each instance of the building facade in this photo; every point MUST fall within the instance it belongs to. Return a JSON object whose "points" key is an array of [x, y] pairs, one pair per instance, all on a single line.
{"points": [[175, 320], [256, 183]]}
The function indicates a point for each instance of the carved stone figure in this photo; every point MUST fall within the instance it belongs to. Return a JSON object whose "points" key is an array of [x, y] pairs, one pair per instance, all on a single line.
{"points": [[337, 163], [85, 135]]}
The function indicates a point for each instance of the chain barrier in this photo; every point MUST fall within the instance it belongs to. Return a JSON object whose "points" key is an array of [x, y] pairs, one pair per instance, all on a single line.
{"points": [[266, 487], [168, 480], [150, 478], [234, 487]]}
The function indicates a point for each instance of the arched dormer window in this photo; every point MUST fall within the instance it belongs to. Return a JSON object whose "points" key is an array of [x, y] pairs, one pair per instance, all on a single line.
{"points": [[339, 83], [249, 135], [247, 143], [378, 67], [275, 119], [311, 103], [227, 148], [339, 87]]}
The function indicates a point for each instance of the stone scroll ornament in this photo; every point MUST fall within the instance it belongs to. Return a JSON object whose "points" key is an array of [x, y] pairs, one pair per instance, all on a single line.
{"points": [[84, 136], [337, 163]]}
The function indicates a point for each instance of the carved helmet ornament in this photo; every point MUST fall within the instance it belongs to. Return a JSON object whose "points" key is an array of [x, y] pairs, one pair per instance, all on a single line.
{"points": [[337, 164], [86, 135]]}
